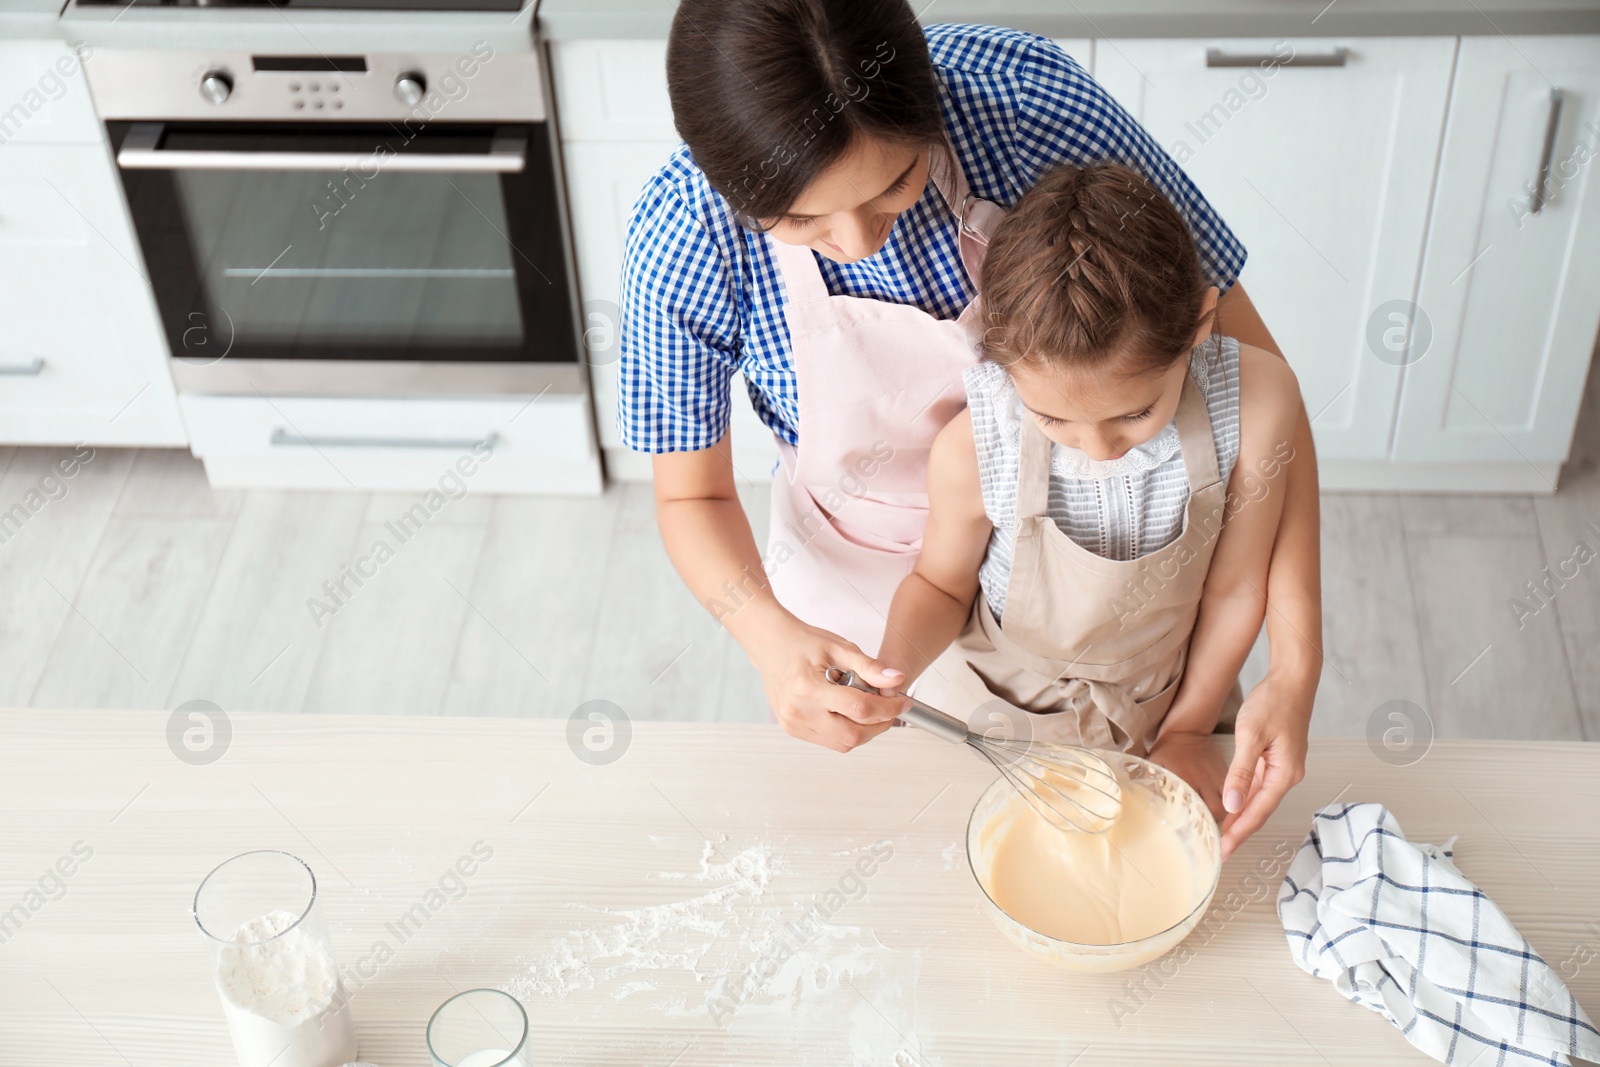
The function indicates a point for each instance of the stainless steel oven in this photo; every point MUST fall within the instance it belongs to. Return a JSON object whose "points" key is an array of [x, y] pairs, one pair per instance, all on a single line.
{"points": [[374, 224]]}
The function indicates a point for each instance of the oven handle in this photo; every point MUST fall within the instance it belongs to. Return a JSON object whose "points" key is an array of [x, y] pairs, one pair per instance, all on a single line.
{"points": [[141, 151]]}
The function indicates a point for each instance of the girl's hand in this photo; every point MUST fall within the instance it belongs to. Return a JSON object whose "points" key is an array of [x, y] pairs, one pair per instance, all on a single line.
{"points": [[1194, 757], [1269, 759], [793, 660]]}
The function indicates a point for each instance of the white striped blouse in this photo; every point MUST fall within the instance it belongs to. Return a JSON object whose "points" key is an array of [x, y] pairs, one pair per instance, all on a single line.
{"points": [[1120, 509]]}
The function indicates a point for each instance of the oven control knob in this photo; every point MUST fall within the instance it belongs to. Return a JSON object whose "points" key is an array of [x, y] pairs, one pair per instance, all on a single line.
{"points": [[216, 86], [410, 87]]}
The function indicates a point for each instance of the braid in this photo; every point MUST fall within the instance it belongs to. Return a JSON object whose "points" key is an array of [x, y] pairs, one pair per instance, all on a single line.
{"points": [[1091, 261], [1088, 282]]}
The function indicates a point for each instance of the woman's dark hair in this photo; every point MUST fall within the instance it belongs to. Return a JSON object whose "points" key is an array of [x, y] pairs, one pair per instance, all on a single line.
{"points": [[769, 93], [1092, 266]]}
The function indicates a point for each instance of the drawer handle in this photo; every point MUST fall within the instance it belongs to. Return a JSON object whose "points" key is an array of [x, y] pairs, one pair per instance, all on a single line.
{"points": [[26, 370], [1216, 57], [1541, 178], [281, 436]]}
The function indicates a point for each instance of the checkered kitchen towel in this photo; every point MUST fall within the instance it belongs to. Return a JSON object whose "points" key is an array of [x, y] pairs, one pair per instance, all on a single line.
{"points": [[1400, 931]]}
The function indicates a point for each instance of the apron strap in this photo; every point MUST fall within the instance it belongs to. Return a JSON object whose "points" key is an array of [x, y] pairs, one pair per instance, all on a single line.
{"points": [[975, 218], [975, 221], [801, 275], [1033, 471], [1196, 439]]}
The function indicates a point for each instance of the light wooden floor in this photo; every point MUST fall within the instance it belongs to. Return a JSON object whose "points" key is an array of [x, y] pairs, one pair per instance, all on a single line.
{"points": [[142, 587]]}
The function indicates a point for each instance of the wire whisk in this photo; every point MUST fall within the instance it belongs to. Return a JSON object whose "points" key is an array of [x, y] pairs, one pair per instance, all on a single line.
{"points": [[1071, 788]]}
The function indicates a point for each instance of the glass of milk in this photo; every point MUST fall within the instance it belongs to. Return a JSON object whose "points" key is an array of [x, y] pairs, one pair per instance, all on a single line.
{"points": [[273, 963], [479, 1028]]}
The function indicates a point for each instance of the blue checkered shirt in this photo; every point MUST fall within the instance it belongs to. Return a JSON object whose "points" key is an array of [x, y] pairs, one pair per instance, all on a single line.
{"points": [[702, 296]]}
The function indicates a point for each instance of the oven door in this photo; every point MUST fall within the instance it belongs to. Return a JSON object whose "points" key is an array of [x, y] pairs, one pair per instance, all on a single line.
{"points": [[355, 259]]}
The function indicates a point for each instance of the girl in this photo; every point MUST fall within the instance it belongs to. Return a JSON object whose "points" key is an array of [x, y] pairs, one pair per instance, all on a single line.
{"points": [[1103, 513], [820, 233]]}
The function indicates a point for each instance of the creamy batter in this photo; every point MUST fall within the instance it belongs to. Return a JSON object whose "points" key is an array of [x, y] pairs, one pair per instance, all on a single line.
{"points": [[1135, 880], [1083, 795]]}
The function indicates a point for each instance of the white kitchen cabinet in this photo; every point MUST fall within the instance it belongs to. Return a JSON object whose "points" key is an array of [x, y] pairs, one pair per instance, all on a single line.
{"points": [[395, 444], [616, 131], [603, 180], [1080, 49], [612, 90], [1322, 162], [1511, 297], [82, 355], [616, 90], [43, 95]]}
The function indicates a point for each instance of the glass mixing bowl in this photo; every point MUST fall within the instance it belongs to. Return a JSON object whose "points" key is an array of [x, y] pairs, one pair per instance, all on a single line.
{"points": [[1196, 827]]}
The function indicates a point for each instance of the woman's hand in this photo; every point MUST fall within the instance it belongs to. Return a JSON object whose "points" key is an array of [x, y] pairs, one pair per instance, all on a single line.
{"points": [[1194, 757], [793, 659], [1270, 740]]}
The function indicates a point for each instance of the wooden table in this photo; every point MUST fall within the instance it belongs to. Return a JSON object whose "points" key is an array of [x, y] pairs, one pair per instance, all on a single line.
{"points": [[908, 972]]}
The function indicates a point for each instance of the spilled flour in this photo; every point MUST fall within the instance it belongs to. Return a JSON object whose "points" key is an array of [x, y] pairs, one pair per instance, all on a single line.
{"points": [[745, 953], [675, 936]]}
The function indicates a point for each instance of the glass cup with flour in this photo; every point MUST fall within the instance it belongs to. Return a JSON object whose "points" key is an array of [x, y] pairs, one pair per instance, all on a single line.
{"points": [[273, 963]]}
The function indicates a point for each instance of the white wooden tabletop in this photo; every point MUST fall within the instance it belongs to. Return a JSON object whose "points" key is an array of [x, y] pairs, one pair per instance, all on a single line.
{"points": [[596, 908]]}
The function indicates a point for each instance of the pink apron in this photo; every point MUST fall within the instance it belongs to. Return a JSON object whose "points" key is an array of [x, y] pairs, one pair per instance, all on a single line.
{"points": [[877, 382]]}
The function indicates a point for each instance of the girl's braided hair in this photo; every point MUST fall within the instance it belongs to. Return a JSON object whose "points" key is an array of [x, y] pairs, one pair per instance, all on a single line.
{"points": [[1092, 267]]}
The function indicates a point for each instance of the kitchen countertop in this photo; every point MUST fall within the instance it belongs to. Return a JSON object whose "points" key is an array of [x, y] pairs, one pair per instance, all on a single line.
{"points": [[578, 19], [110, 970]]}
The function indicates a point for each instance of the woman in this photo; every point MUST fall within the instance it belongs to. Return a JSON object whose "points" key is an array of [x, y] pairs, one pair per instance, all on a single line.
{"points": [[820, 231]]}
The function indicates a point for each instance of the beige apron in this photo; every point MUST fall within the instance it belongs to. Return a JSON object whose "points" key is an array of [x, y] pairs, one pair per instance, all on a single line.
{"points": [[1092, 649]]}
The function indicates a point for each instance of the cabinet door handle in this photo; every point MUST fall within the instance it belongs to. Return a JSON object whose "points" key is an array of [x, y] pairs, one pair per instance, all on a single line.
{"points": [[27, 370], [1216, 57], [280, 436], [1541, 178]]}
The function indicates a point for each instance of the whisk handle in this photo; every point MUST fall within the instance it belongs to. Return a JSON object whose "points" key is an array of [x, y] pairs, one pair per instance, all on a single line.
{"points": [[946, 727]]}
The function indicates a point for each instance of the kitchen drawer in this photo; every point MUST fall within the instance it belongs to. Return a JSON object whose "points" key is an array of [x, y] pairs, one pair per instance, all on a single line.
{"points": [[612, 90], [535, 445], [53, 357], [82, 372], [43, 94], [52, 363]]}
